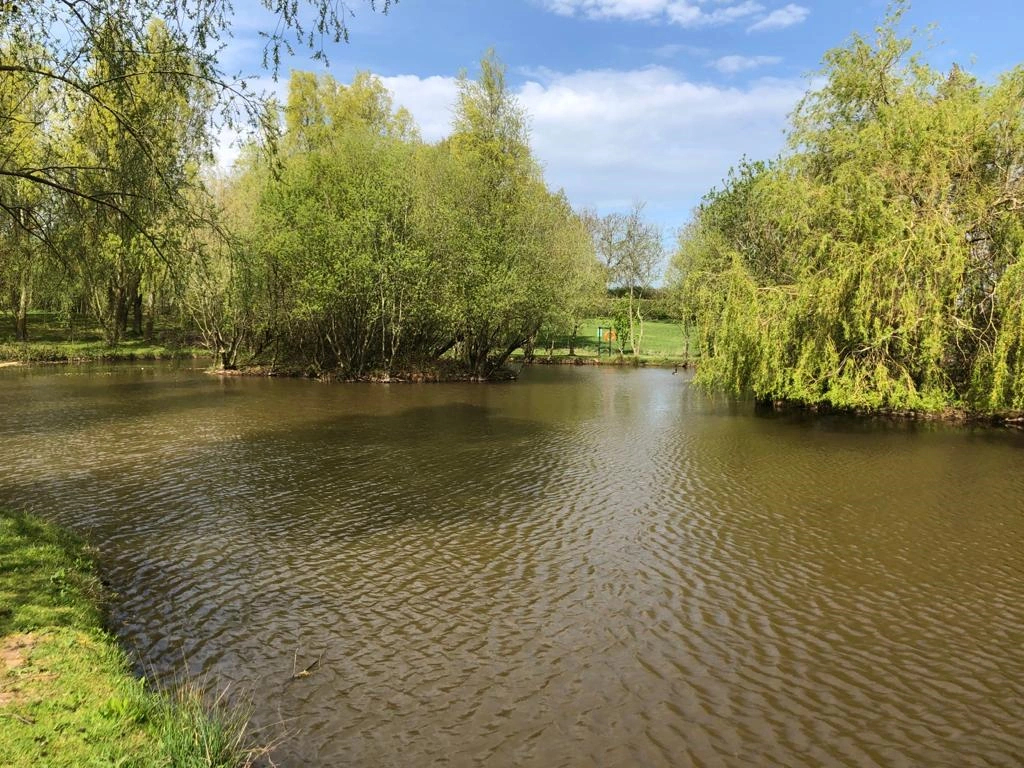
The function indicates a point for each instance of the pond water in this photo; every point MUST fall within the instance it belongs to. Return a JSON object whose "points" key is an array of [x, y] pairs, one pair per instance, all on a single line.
{"points": [[589, 566]]}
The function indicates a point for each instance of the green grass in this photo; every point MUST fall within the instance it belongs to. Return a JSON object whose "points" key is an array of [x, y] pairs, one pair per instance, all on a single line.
{"points": [[67, 697], [663, 344], [56, 340]]}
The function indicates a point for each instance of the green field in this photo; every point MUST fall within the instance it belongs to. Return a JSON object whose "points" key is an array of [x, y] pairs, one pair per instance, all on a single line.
{"points": [[67, 697], [53, 339], [663, 343]]}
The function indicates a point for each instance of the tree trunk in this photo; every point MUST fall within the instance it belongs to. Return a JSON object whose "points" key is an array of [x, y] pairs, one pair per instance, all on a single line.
{"points": [[21, 316], [640, 334], [446, 346], [148, 331], [528, 348], [498, 362], [228, 349], [632, 332], [21, 294], [476, 361], [116, 315], [121, 312], [228, 357], [136, 314], [19, 304], [572, 341]]}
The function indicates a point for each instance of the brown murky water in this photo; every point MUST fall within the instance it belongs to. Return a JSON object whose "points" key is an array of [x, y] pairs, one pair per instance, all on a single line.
{"points": [[587, 567]]}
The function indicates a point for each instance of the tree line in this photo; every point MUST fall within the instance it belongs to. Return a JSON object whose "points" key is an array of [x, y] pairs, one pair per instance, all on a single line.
{"points": [[876, 263], [93, 180], [341, 243]]}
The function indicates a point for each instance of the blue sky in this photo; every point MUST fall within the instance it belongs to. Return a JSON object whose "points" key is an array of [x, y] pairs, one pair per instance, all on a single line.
{"points": [[648, 100]]}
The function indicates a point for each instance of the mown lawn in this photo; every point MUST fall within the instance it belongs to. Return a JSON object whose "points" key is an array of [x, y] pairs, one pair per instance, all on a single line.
{"points": [[67, 697], [53, 339], [663, 342]]}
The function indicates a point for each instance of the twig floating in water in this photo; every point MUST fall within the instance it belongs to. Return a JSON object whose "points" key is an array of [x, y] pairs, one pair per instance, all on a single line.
{"points": [[309, 669]]}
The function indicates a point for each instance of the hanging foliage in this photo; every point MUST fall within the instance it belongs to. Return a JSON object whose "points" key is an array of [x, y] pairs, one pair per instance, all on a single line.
{"points": [[877, 264]]}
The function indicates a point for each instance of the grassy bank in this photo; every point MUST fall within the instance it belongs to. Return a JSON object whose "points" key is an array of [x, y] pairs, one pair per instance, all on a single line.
{"points": [[663, 343], [67, 697], [53, 339]]}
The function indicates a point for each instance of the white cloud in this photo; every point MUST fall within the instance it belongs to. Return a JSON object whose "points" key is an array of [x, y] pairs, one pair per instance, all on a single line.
{"points": [[685, 13], [226, 148], [227, 141], [608, 9], [782, 18], [730, 65], [431, 101], [725, 15], [610, 137]]}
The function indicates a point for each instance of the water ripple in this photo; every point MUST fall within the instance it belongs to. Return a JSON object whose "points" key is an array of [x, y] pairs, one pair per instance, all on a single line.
{"points": [[590, 567]]}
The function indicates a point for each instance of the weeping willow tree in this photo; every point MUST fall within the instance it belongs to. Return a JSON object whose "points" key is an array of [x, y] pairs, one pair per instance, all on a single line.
{"points": [[878, 263]]}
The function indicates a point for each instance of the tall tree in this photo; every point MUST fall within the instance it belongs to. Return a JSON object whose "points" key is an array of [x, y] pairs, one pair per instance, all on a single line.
{"points": [[629, 248], [337, 229], [640, 254], [134, 190], [383, 254], [585, 283], [498, 187], [59, 41], [878, 264], [513, 238], [25, 231]]}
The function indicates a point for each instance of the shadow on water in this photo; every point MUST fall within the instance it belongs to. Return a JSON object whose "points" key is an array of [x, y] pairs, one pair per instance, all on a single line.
{"points": [[404, 460], [583, 568], [845, 422], [61, 406], [353, 476]]}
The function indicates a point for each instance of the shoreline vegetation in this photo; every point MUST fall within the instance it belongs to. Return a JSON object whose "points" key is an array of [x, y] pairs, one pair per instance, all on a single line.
{"points": [[80, 339], [26, 352], [878, 263], [339, 245], [873, 266], [67, 694], [52, 341], [665, 346]]}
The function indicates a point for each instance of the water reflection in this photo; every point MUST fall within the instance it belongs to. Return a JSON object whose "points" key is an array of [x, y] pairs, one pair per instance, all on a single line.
{"points": [[587, 567]]}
